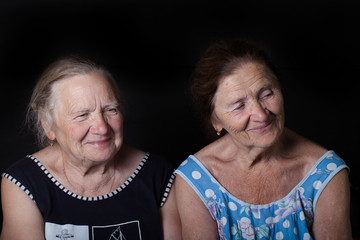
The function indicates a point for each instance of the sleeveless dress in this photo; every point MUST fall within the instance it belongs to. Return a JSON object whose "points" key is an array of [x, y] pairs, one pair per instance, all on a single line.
{"points": [[288, 218], [129, 212]]}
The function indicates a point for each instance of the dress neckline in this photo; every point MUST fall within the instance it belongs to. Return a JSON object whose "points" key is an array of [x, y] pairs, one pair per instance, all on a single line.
{"points": [[96, 198], [266, 205]]}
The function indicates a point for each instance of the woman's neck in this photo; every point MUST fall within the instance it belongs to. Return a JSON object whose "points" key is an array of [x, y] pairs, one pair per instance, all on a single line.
{"points": [[82, 177], [249, 155]]}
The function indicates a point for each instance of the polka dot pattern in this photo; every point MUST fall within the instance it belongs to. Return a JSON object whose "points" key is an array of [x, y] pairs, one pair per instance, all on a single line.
{"points": [[232, 206], [196, 175], [286, 218]]}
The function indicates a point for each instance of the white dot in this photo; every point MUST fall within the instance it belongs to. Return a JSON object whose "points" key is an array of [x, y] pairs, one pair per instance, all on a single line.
{"points": [[302, 216], [222, 189], [286, 224], [331, 166], [196, 175], [295, 230], [317, 184], [232, 206], [269, 220], [223, 221], [184, 163], [301, 190], [213, 180], [209, 193], [279, 235], [233, 230], [245, 220], [306, 236]]}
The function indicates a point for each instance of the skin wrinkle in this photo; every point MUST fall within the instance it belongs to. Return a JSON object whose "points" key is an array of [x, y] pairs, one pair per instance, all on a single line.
{"points": [[88, 158], [256, 159], [97, 116], [98, 121], [251, 85], [263, 105]]}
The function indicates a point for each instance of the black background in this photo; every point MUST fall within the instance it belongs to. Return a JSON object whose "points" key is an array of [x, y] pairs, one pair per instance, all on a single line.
{"points": [[152, 46]]}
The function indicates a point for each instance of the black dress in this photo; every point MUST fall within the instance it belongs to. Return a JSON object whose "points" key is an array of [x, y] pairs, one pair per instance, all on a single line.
{"points": [[129, 212]]}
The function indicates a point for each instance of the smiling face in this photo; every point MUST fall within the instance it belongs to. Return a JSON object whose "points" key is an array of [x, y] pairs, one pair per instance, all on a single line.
{"points": [[248, 104], [87, 121]]}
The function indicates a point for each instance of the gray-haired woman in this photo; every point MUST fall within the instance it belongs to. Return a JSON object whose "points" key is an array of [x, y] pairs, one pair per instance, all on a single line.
{"points": [[85, 183]]}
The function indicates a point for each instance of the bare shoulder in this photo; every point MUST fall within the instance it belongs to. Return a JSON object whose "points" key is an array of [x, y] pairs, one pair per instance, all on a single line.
{"points": [[129, 157], [19, 210], [129, 152], [207, 155], [307, 150], [43, 154], [205, 151], [219, 150], [335, 196], [49, 157], [195, 218]]}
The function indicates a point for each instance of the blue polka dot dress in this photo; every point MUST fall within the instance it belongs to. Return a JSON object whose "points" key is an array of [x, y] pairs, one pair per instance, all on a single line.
{"points": [[288, 218]]}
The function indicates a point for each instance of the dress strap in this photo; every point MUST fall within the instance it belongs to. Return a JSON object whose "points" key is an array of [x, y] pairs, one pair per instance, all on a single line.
{"points": [[321, 174]]}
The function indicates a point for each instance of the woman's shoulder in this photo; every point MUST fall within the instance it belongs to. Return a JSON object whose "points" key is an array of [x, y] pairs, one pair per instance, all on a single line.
{"points": [[304, 148], [20, 166], [49, 157], [207, 153], [216, 153], [130, 153], [131, 157], [28, 174], [218, 150]]}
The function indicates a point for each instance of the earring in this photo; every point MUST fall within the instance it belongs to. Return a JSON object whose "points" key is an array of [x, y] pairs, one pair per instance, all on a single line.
{"points": [[218, 132]]}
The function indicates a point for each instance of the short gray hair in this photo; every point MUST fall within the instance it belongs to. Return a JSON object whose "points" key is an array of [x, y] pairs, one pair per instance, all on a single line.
{"points": [[41, 105]]}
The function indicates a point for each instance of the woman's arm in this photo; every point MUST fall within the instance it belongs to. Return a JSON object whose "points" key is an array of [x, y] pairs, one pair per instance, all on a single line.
{"points": [[196, 220], [170, 218], [332, 213], [21, 217]]}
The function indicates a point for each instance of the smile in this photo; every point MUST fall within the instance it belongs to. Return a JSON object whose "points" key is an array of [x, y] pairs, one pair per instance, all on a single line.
{"points": [[261, 128], [99, 143]]}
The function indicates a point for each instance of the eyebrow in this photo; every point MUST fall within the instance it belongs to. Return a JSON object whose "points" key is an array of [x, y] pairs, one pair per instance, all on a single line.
{"points": [[111, 104], [82, 110]]}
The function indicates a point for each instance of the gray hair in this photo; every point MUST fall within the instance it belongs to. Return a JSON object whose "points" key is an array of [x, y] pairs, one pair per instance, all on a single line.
{"points": [[41, 104]]}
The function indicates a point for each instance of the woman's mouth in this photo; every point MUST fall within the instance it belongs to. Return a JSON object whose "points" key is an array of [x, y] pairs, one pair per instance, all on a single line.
{"points": [[261, 128], [99, 143]]}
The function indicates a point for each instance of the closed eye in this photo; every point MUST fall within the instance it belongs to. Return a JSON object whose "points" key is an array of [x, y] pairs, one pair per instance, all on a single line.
{"points": [[266, 93], [81, 116], [112, 110], [239, 106]]}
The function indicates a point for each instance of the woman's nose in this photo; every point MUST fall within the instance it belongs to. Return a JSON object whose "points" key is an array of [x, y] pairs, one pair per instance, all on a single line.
{"points": [[258, 111], [99, 125]]}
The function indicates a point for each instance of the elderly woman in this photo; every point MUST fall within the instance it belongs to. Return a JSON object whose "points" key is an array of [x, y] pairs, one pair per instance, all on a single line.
{"points": [[258, 180], [85, 183]]}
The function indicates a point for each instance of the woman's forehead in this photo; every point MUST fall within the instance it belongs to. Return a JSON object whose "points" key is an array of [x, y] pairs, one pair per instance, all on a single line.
{"points": [[82, 88], [249, 75]]}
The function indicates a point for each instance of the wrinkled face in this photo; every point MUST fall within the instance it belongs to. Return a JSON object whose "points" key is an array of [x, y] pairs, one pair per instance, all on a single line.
{"points": [[248, 104], [87, 122]]}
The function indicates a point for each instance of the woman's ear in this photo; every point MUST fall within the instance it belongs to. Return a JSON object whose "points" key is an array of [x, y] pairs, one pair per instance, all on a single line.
{"points": [[215, 122], [47, 129]]}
